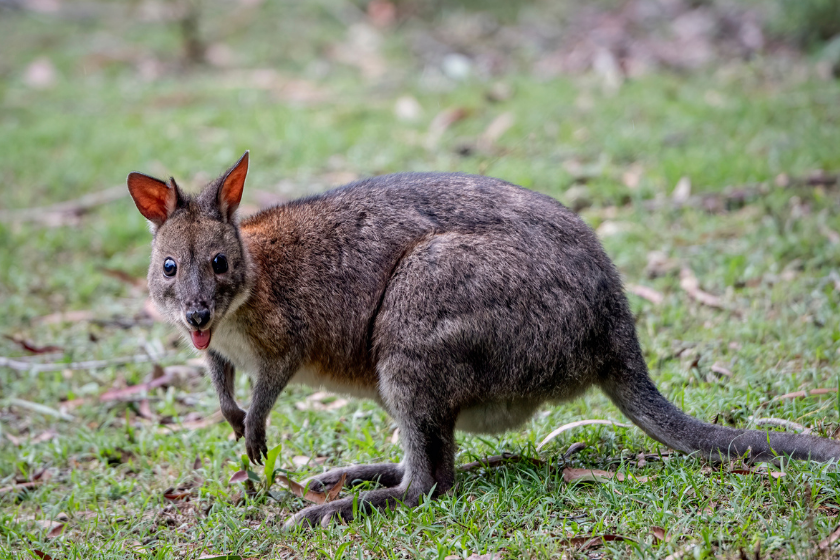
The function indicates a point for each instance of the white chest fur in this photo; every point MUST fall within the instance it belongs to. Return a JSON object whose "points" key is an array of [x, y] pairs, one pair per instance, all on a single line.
{"points": [[231, 343]]}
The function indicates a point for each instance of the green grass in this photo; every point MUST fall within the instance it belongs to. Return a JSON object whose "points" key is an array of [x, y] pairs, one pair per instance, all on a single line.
{"points": [[769, 259]]}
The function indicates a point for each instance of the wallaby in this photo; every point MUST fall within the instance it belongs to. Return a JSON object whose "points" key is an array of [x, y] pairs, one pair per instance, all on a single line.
{"points": [[454, 301]]}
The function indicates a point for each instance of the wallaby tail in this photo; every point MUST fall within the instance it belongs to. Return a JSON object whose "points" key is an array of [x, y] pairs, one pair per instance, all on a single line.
{"points": [[634, 393]]}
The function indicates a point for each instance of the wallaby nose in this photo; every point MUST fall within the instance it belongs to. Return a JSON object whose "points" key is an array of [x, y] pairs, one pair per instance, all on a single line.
{"points": [[198, 317]]}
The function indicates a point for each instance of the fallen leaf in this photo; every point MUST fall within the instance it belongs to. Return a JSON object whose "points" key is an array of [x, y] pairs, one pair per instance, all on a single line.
{"points": [[32, 348], [221, 556], [596, 475], [577, 424], [660, 534], [333, 492], [42, 555], [647, 293], [56, 531], [239, 476], [121, 394]]}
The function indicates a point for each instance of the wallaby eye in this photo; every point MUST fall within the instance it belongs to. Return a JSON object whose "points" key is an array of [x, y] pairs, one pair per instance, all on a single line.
{"points": [[220, 264], [169, 267]]}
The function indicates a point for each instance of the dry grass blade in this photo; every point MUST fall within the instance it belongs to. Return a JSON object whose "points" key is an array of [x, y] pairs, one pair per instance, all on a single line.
{"points": [[798, 394], [56, 212], [647, 293], [577, 424], [20, 365], [121, 394], [21, 486], [214, 418], [41, 409], [691, 286], [721, 370], [596, 475]]}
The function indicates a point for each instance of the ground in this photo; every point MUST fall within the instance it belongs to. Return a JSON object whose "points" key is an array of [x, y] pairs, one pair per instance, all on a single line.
{"points": [[713, 186]]}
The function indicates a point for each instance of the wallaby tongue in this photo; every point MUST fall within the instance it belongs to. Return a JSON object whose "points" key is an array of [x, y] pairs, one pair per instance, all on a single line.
{"points": [[201, 339]]}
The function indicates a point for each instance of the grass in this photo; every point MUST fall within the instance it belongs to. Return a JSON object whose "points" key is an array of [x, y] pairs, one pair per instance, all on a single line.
{"points": [[770, 259]]}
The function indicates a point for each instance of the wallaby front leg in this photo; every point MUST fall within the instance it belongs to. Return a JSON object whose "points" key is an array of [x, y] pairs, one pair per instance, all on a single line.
{"points": [[223, 375], [264, 394]]}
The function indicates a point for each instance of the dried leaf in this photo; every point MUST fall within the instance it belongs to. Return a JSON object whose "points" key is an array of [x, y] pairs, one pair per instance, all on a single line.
{"points": [[577, 424], [32, 348], [660, 534], [239, 476], [56, 530], [121, 394], [221, 556], [42, 555], [590, 541], [333, 492], [647, 293], [301, 492]]}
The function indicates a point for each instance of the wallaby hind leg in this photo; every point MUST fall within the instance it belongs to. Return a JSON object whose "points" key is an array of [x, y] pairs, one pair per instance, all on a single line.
{"points": [[428, 440]]}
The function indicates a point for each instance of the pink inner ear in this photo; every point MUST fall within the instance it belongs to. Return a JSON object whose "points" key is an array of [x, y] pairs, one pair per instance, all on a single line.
{"points": [[153, 198], [231, 192]]}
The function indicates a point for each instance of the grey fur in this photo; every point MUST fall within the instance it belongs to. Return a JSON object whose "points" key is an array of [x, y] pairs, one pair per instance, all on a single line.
{"points": [[452, 300]]}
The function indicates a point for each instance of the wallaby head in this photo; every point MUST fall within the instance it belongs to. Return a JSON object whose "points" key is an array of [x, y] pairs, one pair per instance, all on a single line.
{"points": [[199, 269]]}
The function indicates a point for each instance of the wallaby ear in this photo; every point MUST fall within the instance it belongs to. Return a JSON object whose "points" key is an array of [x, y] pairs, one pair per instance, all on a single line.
{"points": [[230, 192], [155, 199]]}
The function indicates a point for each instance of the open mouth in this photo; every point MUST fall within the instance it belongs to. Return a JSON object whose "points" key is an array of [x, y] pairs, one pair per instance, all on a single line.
{"points": [[201, 339]]}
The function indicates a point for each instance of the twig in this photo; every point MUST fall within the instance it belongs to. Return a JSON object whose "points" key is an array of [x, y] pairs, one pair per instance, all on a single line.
{"points": [[498, 461], [20, 365], [782, 423], [63, 209]]}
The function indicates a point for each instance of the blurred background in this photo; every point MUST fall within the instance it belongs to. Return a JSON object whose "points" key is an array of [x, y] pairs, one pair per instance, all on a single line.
{"points": [[700, 138]]}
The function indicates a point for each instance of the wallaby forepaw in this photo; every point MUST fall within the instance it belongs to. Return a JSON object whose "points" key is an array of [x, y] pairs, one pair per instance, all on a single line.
{"points": [[236, 419], [255, 446]]}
